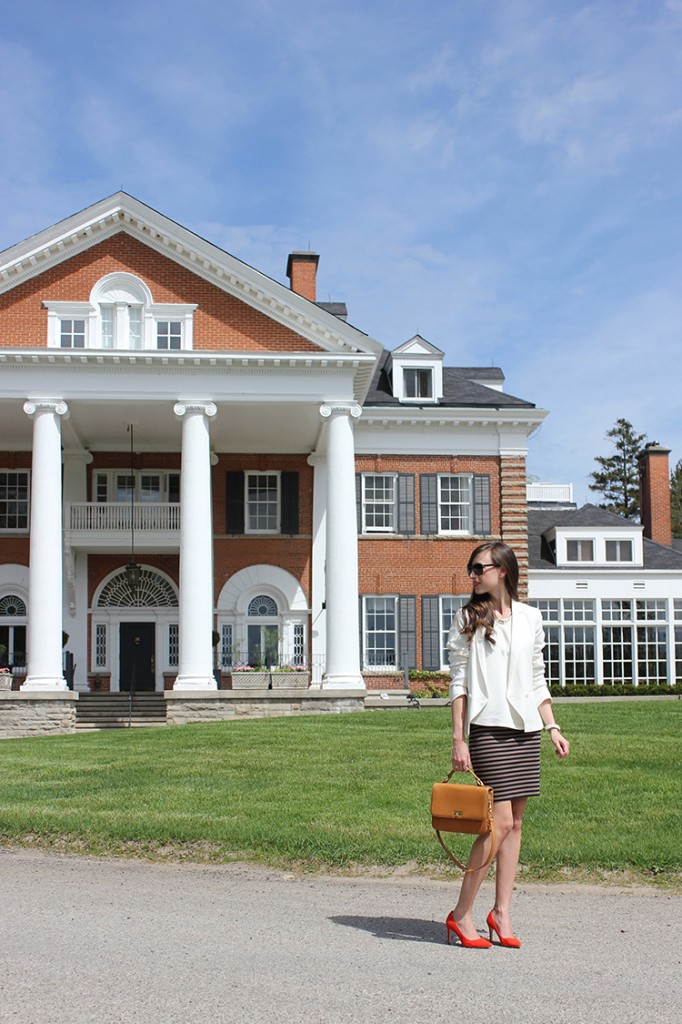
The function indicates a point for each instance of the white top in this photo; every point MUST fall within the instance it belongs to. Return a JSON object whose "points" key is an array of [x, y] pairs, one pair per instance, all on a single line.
{"points": [[526, 686], [498, 711]]}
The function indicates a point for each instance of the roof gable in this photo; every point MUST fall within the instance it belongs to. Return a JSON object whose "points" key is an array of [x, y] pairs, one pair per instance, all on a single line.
{"points": [[122, 213]]}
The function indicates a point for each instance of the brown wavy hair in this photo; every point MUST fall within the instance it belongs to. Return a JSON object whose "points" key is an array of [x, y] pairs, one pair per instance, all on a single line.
{"points": [[478, 612]]}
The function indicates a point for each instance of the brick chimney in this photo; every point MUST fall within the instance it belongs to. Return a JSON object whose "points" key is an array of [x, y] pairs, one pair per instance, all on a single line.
{"points": [[654, 494], [302, 273]]}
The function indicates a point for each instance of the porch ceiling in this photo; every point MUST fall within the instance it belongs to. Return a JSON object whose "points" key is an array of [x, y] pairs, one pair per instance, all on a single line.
{"points": [[99, 425]]}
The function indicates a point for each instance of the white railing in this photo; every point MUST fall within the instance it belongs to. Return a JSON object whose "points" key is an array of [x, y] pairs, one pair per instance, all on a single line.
{"points": [[113, 517], [549, 492]]}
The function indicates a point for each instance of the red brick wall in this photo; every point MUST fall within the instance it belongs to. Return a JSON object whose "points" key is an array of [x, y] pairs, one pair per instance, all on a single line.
{"points": [[220, 323]]}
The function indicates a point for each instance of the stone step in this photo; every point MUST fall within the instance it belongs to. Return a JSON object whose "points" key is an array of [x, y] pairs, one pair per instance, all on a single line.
{"points": [[112, 710]]}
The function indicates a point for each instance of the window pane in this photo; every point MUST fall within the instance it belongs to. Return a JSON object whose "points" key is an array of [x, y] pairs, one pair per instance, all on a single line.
{"points": [[150, 487], [14, 500], [579, 654], [454, 503], [174, 487], [652, 655], [262, 505], [617, 652], [379, 503], [72, 334], [380, 632], [418, 383], [135, 326], [107, 326], [169, 334], [449, 606], [580, 550], [618, 550]]}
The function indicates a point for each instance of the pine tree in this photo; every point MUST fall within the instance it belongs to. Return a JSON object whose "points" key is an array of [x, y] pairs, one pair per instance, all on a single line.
{"points": [[618, 478], [676, 499]]}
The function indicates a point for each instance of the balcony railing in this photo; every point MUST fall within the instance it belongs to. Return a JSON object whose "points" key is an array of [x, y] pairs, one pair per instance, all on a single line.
{"points": [[112, 517]]}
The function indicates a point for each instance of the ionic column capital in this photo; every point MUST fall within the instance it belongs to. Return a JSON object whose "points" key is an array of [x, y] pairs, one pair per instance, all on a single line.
{"points": [[343, 408], [54, 405], [205, 408]]}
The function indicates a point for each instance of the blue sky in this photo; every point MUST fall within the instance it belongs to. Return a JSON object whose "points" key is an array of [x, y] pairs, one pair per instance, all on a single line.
{"points": [[502, 176]]}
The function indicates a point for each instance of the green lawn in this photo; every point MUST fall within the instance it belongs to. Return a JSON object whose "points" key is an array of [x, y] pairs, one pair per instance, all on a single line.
{"points": [[340, 791]]}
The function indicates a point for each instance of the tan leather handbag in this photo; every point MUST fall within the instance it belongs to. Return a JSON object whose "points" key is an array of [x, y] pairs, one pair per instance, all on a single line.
{"points": [[457, 807]]}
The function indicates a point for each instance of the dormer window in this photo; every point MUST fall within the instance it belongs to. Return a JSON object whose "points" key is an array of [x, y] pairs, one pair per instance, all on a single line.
{"points": [[580, 551], [416, 370], [417, 382], [618, 550], [120, 314]]}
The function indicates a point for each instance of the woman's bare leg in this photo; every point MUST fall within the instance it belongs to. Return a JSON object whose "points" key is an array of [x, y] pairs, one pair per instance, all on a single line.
{"points": [[471, 882], [507, 865]]}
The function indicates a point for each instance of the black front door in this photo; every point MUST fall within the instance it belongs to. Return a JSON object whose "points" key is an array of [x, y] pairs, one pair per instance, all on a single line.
{"points": [[136, 650]]}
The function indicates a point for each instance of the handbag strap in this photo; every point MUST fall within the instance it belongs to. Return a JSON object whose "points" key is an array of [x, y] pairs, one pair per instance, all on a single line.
{"points": [[491, 819]]}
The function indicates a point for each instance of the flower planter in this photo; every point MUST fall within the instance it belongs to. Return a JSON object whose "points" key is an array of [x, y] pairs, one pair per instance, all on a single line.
{"points": [[290, 680], [5, 680], [250, 680]]}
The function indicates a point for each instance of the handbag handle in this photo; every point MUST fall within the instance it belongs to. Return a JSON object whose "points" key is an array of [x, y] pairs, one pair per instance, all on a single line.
{"points": [[491, 819], [470, 770]]}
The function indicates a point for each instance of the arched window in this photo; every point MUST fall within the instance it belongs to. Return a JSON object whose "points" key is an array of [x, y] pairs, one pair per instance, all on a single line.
{"points": [[153, 591], [12, 632]]}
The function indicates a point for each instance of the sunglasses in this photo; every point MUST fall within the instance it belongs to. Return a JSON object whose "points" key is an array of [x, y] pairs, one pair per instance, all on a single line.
{"points": [[478, 568]]}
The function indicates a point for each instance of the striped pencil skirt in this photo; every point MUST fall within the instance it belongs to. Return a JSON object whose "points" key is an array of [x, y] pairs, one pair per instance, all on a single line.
{"points": [[506, 759]]}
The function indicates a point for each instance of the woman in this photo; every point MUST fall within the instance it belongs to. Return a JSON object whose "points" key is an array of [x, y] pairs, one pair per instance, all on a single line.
{"points": [[501, 700]]}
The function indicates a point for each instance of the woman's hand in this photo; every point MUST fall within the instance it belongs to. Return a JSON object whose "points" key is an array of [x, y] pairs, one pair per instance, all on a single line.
{"points": [[561, 744], [460, 756]]}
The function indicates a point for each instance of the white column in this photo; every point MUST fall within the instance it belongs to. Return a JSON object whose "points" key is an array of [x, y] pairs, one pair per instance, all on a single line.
{"points": [[45, 561], [318, 618], [343, 642], [195, 671]]}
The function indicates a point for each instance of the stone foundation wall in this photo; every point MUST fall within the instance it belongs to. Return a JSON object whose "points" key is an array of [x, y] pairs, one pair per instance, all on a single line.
{"points": [[223, 705], [40, 714]]}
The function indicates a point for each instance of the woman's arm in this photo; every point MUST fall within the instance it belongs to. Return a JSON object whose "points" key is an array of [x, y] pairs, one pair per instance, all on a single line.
{"points": [[460, 750], [561, 744]]}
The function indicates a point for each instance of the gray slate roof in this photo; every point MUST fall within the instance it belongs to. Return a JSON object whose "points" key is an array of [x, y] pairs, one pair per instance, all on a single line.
{"points": [[540, 521], [459, 389]]}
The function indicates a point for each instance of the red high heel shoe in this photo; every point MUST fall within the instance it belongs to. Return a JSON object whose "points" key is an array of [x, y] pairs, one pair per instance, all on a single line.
{"points": [[452, 926], [505, 940]]}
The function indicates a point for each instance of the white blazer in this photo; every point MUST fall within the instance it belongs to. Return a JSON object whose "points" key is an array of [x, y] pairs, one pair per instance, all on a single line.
{"points": [[526, 687]]}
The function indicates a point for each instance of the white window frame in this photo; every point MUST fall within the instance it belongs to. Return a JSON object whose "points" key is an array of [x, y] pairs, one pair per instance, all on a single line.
{"points": [[580, 541], [19, 529], [370, 503], [248, 528], [466, 530], [446, 614], [384, 666], [106, 479], [418, 371]]}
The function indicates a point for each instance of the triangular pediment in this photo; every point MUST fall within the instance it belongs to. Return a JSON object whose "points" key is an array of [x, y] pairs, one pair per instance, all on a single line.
{"points": [[419, 347], [122, 213]]}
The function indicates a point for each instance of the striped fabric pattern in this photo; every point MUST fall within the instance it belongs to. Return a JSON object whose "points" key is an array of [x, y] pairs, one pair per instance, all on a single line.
{"points": [[506, 759]]}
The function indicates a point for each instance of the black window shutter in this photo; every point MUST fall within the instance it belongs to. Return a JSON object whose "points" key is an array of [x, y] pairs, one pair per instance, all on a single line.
{"points": [[358, 500], [428, 486], [407, 632], [431, 649], [234, 502], [482, 522], [406, 520], [290, 499]]}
